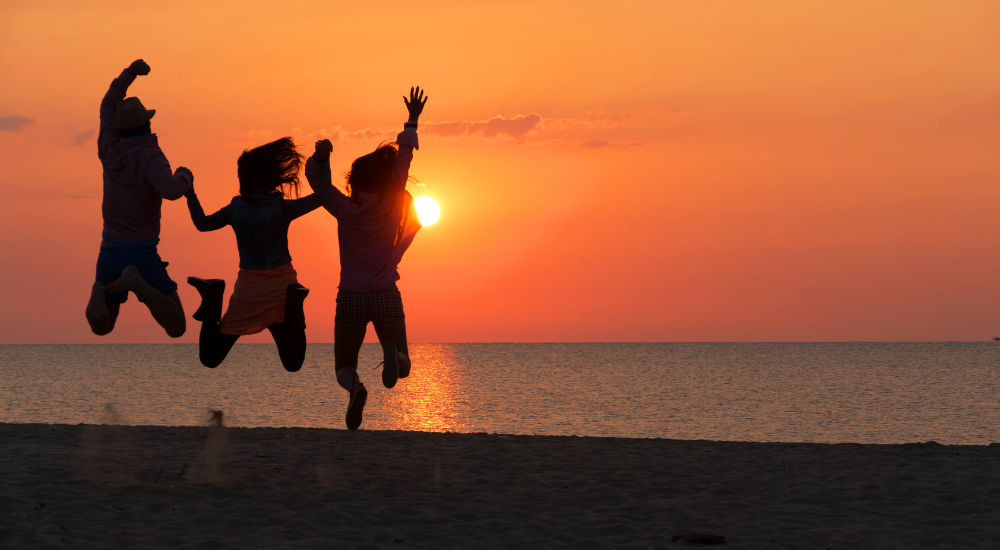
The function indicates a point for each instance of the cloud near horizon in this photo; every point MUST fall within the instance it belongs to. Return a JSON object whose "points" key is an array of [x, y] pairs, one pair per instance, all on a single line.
{"points": [[81, 139], [14, 123], [516, 127], [253, 138], [598, 143], [532, 129]]}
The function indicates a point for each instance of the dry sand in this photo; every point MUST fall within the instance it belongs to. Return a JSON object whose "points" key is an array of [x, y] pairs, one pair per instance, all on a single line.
{"points": [[117, 486]]}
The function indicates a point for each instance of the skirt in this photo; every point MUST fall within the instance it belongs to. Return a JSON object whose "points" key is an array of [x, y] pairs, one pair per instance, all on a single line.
{"points": [[258, 300]]}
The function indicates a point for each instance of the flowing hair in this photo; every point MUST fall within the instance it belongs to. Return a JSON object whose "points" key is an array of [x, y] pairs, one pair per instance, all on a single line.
{"points": [[271, 167], [372, 173]]}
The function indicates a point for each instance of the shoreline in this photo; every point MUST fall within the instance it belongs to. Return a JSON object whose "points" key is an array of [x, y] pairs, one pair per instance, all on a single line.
{"points": [[219, 487], [929, 443]]}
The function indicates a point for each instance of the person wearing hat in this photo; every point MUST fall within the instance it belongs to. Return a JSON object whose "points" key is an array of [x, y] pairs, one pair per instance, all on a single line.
{"points": [[137, 177]]}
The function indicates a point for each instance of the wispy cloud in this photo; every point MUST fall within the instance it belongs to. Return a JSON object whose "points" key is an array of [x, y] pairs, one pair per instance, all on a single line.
{"points": [[629, 128], [598, 143], [338, 133], [251, 139], [516, 127], [304, 139], [14, 123], [83, 138], [614, 119], [595, 129]]}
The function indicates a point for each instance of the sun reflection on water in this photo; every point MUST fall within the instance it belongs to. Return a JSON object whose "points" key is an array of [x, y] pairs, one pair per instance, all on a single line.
{"points": [[433, 398]]}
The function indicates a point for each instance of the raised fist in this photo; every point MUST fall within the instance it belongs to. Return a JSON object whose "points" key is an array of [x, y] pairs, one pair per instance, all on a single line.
{"points": [[323, 149], [138, 68]]}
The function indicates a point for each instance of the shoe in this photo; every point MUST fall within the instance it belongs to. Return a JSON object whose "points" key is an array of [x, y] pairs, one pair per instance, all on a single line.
{"points": [[404, 364], [211, 291], [356, 407], [390, 365], [295, 294]]}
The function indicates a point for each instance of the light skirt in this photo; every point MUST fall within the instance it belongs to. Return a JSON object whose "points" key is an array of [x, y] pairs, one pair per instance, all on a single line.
{"points": [[258, 300]]}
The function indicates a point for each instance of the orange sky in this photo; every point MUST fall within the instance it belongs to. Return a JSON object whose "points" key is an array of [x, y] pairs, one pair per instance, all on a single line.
{"points": [[661, 171]]}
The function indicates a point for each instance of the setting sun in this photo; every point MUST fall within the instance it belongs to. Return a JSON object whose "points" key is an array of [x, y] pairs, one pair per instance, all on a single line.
{"points": [[428, 210]]}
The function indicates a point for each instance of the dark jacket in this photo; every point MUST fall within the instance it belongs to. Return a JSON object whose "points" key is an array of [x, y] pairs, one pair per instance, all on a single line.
{"points": [[137, 177]]}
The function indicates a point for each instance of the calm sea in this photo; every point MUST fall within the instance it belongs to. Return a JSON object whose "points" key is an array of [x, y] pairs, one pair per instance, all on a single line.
{"points": [[825, 392]]}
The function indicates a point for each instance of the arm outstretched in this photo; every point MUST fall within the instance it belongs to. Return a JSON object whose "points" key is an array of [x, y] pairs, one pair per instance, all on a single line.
{"points": [[202, 222], [407, 139]]}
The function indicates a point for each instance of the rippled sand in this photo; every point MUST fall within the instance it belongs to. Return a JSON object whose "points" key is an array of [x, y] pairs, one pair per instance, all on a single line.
{"points": [[92, 486]]}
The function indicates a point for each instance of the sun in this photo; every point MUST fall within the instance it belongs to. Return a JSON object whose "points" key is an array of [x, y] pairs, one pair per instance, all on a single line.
{"points": [[428, 210]]}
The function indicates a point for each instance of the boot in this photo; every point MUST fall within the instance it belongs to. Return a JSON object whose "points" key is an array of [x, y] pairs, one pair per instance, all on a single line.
{"points": [[211, 291], [295, 318]]}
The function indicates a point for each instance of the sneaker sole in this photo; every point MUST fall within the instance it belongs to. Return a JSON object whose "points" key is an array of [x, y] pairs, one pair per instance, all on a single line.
{"points": [[390, 370], [356, 408]]}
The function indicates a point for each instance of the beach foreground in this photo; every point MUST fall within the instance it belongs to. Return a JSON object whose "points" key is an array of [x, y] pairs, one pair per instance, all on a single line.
{"points": [[91, 486]]}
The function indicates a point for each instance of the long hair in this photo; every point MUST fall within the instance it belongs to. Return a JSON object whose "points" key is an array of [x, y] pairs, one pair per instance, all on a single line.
{"points": [[270, 167], [372, 173]]}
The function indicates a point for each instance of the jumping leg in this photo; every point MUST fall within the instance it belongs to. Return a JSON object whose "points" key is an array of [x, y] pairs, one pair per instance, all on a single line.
{"points": [[213, 346], [395, 335], [166, 308], [290, 336], [291, 345], [100, 313], [346, 346]]}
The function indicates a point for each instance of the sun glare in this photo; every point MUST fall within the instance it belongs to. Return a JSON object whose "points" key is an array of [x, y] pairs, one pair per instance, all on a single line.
{"points": [[428, 210]]}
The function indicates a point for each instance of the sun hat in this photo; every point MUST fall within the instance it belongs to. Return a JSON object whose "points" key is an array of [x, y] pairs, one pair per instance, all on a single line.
{"points": [[131, 114]]}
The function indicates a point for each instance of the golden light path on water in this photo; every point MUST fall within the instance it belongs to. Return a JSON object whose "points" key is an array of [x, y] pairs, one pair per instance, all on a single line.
{"points": [[434, 401]]}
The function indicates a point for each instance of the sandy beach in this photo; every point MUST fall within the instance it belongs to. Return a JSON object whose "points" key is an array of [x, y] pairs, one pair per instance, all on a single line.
{"points": [[90, 486]]}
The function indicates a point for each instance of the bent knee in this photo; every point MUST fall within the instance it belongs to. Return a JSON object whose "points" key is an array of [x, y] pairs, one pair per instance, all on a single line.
{"points": [[101, 327], [176, 332], [103, 330], [292, 368], [211, 362]]}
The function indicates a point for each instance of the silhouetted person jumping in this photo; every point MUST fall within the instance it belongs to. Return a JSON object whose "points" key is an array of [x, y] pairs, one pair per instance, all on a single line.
{"points": [[376, 223], [137, 178], [267, 293]]}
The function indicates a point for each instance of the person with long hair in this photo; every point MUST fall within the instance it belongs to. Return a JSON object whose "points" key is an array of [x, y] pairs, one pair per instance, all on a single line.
{"points": [[267, 293], [376, 223], [137, 177]]}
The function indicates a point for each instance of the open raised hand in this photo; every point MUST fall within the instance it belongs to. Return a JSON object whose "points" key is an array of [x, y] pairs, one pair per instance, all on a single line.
{"points": [[323, 149], [415, 105], [138, 68]]}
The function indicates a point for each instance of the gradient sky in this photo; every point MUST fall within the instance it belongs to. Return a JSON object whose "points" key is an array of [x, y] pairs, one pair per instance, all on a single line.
{"points": [[654, 171]]}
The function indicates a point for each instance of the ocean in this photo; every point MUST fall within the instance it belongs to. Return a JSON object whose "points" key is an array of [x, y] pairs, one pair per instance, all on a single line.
{"points": [[808, 392]]}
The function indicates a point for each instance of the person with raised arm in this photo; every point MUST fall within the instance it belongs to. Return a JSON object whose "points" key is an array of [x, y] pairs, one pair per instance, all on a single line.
{"points": [[376, 223], [137, 177]]}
